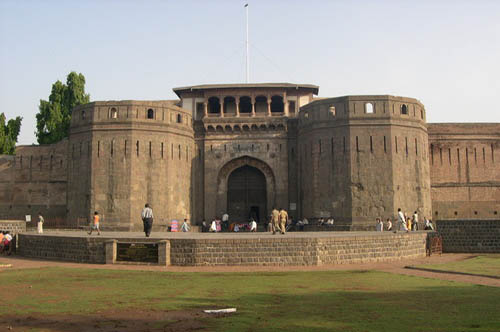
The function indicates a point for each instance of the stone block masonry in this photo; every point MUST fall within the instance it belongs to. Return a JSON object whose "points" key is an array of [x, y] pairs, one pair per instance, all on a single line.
{"points": [[258, 250], [470, 236]]}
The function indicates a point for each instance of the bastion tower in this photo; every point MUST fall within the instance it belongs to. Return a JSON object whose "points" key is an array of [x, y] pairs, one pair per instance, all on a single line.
{"points": [[123, 154], [362, 157]]}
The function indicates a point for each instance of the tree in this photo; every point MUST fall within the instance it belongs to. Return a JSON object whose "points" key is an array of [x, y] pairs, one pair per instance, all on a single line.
{"points": [[9, 134], [54, 116]]}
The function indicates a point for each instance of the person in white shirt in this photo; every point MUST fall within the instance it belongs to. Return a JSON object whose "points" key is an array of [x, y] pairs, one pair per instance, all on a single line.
{"points": [[253, 226], [40, 223], [147, 219], [329, 221], [414, 225], [213, 226], [402, 221], [185, 226]]}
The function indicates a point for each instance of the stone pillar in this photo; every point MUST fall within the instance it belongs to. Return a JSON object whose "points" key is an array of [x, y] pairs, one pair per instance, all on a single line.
{"points": [[237, 99], [253, 106], [164, 253], [221, 102], [110, 251], [268, 106], [285, 104], [205, 105]]}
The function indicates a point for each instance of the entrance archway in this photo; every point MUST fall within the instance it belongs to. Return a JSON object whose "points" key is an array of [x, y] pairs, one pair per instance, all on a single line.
{"points": [[259, 178], [246, 194]]}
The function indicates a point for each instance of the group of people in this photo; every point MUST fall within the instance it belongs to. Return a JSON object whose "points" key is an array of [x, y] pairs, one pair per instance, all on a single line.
{"points": [[405, 223], [5, 242], [278, 220]]}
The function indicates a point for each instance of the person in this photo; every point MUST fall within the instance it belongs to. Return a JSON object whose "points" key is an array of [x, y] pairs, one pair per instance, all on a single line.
{"points": [[275, 220], [408, 223], [402, 221], [428, 225], [185, 226], [305, 221], [389, 224], [321, 221], [40, 223], [218, 224], [95, 224], [147, 219], [330, 221], [225, 221], [236, 228], [414, 225], [204, 226], [213, 226], [6, 244], [379, 227], [283, 220], [253, 225]]}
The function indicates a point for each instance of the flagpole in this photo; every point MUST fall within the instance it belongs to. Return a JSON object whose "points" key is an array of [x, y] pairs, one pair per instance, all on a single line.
{"points": [[247, 56]]}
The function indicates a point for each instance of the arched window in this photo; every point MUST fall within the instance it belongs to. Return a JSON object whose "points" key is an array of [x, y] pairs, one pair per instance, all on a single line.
{"points": [[83, 115], [277, 105], [213, 105], [179, 118], [261, 104], [114, 113], [332, 110], [229, 105], [151, 113], [369, 108], [404, 109], [245, 104]]}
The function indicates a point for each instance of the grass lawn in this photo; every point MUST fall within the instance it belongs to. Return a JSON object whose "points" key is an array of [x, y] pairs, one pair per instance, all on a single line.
{"points": [[300, 301], [487, 264]]}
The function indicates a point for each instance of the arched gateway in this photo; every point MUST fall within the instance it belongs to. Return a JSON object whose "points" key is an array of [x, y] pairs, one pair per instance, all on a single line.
{"points": [[246, 187]]}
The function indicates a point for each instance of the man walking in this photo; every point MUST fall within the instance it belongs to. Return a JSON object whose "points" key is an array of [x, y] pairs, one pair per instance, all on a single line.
{"points": [[275, 219], [402, 221], [414, 225], [283, 220], [147, 219]]}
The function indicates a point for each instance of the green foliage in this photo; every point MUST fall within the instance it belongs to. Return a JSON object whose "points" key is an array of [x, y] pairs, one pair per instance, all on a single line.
{"points": [[54, 116], [9, 133]]}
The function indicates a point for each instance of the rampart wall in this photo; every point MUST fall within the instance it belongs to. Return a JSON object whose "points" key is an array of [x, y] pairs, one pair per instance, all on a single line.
{"points": [[34, 180], [465, 170]]}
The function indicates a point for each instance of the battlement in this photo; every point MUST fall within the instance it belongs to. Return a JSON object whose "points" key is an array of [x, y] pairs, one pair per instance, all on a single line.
{"points": [[362, 107], [163, 112]]}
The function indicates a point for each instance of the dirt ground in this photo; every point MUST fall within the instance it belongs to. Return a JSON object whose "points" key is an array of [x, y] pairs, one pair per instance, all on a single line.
{"points": [[189, 320]]}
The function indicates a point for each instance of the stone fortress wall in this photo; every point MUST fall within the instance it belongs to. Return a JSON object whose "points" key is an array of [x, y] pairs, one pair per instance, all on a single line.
{"points": [[35, 180], [363, 156], [354, 158], [465, 170]]}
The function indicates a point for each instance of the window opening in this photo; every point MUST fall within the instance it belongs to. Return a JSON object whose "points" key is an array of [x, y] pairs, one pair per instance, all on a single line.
{"points": [[369, 108], [404, 109], [151, 114], [114, 113]]}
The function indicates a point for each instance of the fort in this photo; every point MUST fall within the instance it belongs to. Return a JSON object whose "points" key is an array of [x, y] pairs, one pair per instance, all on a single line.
{"points": [[244, 148]]}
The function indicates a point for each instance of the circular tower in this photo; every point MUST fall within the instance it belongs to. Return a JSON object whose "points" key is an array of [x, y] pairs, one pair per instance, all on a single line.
{"points": [[123, 154], [363, 157]]}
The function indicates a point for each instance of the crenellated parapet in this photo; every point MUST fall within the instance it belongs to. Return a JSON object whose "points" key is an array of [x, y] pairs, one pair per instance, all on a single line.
{"points": [[359, 108], [156, 115]]}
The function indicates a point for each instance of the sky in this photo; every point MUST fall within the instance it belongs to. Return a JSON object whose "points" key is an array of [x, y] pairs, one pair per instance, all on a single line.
{"points": [[445, 53]]}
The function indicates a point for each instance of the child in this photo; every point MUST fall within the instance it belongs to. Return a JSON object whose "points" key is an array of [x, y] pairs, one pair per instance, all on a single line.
{"points": [[95, 224]]}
